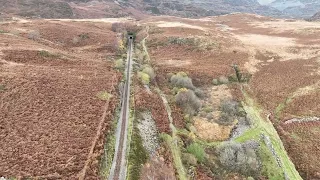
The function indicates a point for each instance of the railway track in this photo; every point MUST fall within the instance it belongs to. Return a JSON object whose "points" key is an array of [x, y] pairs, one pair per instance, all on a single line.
{"points": [[119, 165]]}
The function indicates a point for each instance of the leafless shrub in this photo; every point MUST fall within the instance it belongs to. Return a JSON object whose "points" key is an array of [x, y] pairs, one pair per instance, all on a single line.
{"points": [[75, 40], [182, 80], [199, 93], [34, 35], [230, 107], [188, 101], [239, 158], [223, 80], [117, 27], [226, 119]]}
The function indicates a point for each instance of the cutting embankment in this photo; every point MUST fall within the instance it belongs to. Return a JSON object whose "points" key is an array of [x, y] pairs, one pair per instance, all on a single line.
{"points": [[284, 61]]}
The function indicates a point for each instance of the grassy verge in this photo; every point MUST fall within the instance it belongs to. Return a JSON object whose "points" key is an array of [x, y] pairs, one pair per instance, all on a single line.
{"points": [[206, 144], [173, 144], [264, 126], [109, 147], [137, 154], [269, 164]]}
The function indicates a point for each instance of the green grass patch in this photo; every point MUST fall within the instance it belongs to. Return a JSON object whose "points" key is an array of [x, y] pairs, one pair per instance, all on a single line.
{"points": [[172, 143], [104, 95], [281, 107], [109, 147], [47, 54], [137, 156], [269, 164], [197, 151], [84, 36], [266, 127], [3, 31], [252, 133], [205, 144], [2, 87]]}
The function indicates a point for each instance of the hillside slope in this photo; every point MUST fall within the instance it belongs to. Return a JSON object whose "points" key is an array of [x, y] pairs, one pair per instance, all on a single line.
{"points": [[135, 8]]}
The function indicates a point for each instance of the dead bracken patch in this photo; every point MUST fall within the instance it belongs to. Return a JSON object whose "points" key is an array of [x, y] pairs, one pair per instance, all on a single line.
{"points": [[211, 131]]}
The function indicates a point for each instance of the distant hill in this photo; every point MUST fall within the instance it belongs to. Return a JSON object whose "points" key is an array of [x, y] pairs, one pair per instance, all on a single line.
{"points": [[297, 8], [120, 8], [36, 8], [316, 17]]}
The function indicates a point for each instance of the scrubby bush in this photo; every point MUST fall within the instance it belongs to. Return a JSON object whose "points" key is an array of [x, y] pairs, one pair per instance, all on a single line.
{"points": [[75, 40], [149, 70], [236, 157], [83, 36], [209, 116], [197, 151], [230, 107], [215, 82], [104, 95], [182, 80], [175, 90], [119, 64], [208, 109], [169, 75], [225, 119], [199, 93], [223, 80], [117, 27], [188, 101], [189, 159], [145, 78], [34, 35], [3, 31], [2, 87], [47, 54], [233, 78]]}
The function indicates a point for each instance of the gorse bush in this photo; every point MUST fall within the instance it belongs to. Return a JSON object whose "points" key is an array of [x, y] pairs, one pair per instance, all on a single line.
{"points": [[119, 64], [144, 78], [196, 150], [149, 70], [188, 101], [182, 80]]}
